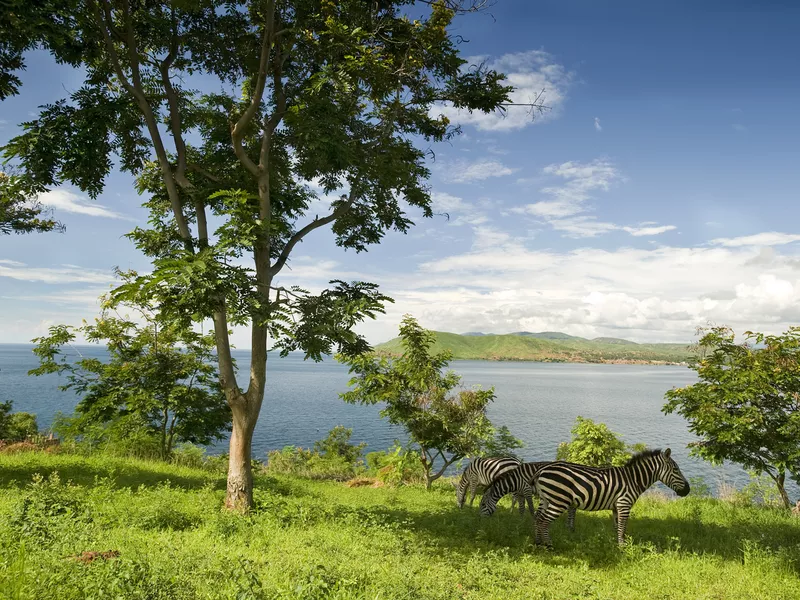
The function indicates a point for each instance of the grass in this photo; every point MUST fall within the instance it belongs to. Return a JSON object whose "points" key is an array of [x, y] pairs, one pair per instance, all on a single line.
{"points": [[316, 539], [516, 347]]}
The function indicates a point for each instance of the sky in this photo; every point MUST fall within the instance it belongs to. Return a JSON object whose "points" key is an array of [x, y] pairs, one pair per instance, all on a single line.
{"points": [[659, 193]]}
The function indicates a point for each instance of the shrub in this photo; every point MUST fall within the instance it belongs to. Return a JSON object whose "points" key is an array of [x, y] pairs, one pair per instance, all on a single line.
{"points": [[332, 458], [396, 466], [595, 444], [44, 506]]}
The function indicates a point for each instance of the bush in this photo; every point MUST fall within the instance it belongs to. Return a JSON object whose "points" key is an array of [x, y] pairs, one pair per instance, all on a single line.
{"points": [[596, 445], [45, 506], [396, 466], [332, 458], [16, 426]]}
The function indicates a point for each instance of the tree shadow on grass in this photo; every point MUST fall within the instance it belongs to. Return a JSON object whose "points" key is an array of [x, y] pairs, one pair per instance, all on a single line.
{"points": [[464, 533], [84, 474]]}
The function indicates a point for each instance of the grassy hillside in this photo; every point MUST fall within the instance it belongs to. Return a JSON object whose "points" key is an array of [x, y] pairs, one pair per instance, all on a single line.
{"points": [[525, 347], [314, 540]]}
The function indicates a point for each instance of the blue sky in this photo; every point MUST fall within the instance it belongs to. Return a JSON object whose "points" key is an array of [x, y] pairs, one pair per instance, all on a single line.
{"points": [[660, 193]]}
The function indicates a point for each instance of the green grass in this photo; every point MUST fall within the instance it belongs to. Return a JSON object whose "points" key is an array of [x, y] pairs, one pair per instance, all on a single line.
{"points": [[517, 347], [311, 539]]}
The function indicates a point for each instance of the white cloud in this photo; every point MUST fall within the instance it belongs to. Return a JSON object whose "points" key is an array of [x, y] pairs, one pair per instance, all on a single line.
{"points": [[11, 263], [654, 294], [67, 201], [642, 231], [461, 171], [55, 275], [597, 125], [739, 127], [768, 238], [529, 73], [459, 211], [568, 202]]}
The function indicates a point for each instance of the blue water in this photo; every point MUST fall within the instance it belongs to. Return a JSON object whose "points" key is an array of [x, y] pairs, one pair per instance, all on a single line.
{"points": [[537, 401]]}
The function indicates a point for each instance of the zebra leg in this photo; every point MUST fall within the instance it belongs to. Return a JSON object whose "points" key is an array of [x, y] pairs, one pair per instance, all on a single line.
{"points": [[473, 486], [529, 499], [623, 512], [614, 516], [571, 518], [547, 516]]}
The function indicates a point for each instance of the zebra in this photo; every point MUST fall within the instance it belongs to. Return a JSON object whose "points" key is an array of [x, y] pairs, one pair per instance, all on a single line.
{"points": [[516, 481], [483, 471], [561, 485]]}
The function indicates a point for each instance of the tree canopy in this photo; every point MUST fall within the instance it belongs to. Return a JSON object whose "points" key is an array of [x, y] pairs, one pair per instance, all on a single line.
{"points": [[445, 423], [745, 408]]}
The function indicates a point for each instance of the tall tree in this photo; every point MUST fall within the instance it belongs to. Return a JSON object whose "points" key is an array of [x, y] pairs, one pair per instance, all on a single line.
{"points": [[340, 93], [745, 408]]}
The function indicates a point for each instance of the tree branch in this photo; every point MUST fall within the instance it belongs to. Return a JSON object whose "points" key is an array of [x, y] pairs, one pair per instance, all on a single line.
{"points": [[237, 133], [315, 224], [106, 23]]}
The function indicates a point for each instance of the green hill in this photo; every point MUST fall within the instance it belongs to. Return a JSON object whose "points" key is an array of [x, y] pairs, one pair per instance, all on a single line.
{"points": [[555, 349]]}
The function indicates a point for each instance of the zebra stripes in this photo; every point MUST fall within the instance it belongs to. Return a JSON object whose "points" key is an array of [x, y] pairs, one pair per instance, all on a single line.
{"points": [[516, 481], [483, 471], [563, 485]]}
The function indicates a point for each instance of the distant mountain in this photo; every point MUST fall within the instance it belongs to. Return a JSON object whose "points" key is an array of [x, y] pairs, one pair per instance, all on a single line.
{"points": [[556, 347], [613, 340], [475, 333], [548, 335]]}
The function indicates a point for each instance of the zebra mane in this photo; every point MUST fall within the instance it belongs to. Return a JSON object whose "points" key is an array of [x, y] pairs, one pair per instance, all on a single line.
{"points": [[642, 456]]}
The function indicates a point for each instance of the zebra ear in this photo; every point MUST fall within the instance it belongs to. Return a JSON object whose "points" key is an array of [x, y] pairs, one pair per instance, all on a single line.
{"points": [[667, 452]]}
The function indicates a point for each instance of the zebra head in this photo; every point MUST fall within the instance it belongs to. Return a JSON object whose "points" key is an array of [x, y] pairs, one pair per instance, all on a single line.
{"points": [[490, 499], [461, 492], [670, 474]]}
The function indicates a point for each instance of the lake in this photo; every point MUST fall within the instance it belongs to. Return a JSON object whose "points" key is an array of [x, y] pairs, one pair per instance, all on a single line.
{"points": [[537, 401]]}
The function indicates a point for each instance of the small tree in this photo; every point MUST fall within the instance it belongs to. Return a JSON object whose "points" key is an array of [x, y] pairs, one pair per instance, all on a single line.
{"points": [[746, 406], [16, 426], [160, 381], [444, 424], [595, 444]]}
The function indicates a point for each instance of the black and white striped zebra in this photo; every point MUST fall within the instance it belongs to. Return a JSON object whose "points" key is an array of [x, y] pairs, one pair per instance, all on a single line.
{"points": [[483, 471], [516, 481], [561, 485]]}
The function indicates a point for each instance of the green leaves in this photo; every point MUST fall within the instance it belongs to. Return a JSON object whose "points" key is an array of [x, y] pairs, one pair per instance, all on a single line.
{"points": [[746, 406], [595, 444], [159, 381], [440, 419]]}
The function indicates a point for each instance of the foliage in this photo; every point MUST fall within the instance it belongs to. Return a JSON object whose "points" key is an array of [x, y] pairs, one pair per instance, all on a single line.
{"points": [[746, 406], [337, 445], [332, 458], [16, 426], [595, 444], [158, 387], [444, 424], [396, 466], [341, 94], [20, 213], [320, 539]]}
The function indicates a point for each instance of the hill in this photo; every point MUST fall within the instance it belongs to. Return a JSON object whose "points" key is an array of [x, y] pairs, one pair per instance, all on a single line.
{"points": [[134, 529], [557, 348]]}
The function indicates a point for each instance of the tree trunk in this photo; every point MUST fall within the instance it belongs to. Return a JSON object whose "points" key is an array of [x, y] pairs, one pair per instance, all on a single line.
{"points": [[239, 496], [780, 480]]}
